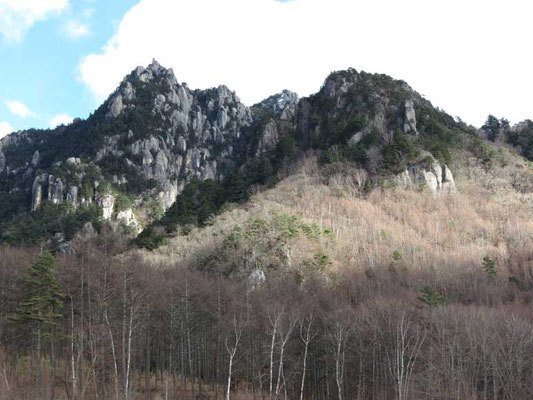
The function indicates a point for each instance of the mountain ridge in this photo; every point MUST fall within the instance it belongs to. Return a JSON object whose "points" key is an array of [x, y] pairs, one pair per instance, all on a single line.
{"points": [[129, 161]]}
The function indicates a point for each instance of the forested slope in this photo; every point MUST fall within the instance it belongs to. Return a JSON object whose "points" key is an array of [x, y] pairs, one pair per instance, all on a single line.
{"points": [[315, 288]]}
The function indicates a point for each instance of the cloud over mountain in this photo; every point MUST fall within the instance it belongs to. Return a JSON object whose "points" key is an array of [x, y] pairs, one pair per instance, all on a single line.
{"points": [[263, 46]]}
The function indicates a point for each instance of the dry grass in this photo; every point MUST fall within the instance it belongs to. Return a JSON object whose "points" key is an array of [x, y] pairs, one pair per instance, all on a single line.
{"points": [[487, 216]]}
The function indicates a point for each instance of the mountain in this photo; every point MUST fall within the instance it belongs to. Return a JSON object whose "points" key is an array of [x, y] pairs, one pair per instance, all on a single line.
{"points": [[136, 152], [356, 243], [153, 136]]}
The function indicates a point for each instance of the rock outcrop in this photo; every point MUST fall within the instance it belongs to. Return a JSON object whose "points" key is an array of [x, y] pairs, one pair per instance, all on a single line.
{"points": [[409, 120], [55, 190], [256, 278], [37, 193], [430, 174], [106, 202], [128, 218], [280, 111]]}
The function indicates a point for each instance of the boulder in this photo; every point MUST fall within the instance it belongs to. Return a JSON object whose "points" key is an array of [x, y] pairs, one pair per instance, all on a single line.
{"points": [[256, 278], [73, 161]]}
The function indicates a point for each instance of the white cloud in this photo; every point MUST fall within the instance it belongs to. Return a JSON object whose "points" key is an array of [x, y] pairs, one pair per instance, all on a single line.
{"points": [[469, 57], [60, 119], [75, 29], [19, 109], [18, 16], [5, 129]]}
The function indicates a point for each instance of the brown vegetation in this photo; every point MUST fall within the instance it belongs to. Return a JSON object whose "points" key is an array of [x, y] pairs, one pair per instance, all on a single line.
{"points": [[391, 294]]}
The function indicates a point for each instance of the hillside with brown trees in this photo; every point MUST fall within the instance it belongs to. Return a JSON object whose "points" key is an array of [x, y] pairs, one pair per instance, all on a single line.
{"points": [[316, 289]]}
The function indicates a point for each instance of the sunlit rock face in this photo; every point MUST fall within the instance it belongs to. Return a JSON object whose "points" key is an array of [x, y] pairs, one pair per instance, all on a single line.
{"points": [[437, 178]]}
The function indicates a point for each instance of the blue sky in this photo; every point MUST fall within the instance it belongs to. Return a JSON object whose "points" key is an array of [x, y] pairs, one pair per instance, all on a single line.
{"points": [[62, 58], [41, 69]]}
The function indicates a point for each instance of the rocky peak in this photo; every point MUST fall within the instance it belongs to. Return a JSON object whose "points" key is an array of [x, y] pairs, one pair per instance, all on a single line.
{"points": [[338, 83], [155, 67], [151, 137], [162, 80], [276, 115], [380, 103], [181, 127], [279, 103], [147, 74]]}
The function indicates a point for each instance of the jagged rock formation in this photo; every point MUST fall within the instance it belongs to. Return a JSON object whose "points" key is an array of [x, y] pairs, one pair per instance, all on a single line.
{"points": [[161, 134], [276, 115], [153, 135]]}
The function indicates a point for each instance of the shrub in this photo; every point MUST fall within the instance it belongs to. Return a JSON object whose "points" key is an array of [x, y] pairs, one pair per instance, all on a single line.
{"points": [[430, 298], [489, 266]]}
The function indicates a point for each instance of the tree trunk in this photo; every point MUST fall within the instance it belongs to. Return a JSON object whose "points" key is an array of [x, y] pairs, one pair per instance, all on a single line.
{"points": [[74, 386]]}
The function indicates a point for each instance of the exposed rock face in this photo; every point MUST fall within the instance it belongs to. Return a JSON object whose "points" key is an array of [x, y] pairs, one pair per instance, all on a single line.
{"points": [[256, 278], [447, 182], [127, 217], [167, 196], [269, 137], [73, 161], [282, 108], [35, 159], [196, 122], [409, 124], [356, 138], [37, 193], [116, 106], [72, 196], [88, 231], [55, 190], [436, 177], [64, 247], [281, 104], [107, 203]]}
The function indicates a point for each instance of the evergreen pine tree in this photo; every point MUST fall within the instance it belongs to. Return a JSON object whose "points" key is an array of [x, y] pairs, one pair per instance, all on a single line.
{"points": [[431, 298], [42, 305], [236, 188], [492, 127], [489, 265]]}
